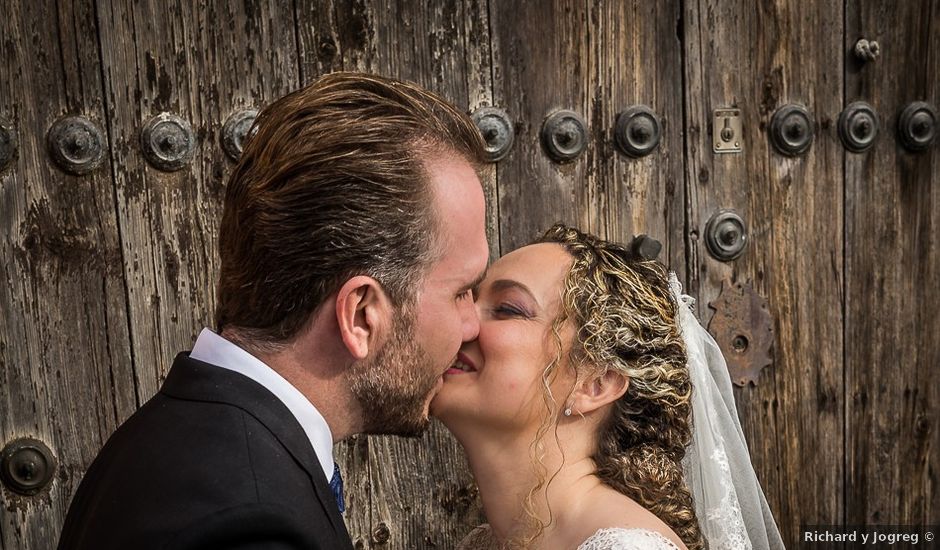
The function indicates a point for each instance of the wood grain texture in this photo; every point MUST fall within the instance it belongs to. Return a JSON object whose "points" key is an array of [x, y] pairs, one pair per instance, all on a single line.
{"points": [[892, 265], [420, 490], [542, 63], [65, 369], [201, 63], [597, 59], [635, 58], [758, 57]]}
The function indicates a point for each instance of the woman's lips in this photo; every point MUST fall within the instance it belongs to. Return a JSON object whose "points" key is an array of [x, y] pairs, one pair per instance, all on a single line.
{"points": [[462, 365]]}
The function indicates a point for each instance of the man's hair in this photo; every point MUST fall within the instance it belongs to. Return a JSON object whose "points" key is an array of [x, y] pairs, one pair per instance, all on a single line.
{"points": [[334, 184]]}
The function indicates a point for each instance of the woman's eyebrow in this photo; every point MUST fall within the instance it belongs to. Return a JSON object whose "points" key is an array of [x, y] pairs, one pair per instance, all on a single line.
{"points": [[506, 284], [476, 282]]}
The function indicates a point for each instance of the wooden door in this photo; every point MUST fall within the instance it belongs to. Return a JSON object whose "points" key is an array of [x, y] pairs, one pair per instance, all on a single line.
{"points": [[108, 274]]}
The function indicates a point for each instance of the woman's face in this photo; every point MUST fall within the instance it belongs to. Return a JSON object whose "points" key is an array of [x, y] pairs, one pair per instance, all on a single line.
{"points": [[498, 386]]}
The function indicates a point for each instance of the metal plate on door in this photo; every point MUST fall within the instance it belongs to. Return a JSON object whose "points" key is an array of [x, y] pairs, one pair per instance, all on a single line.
{"points": [[727, 131], [744, 330]]}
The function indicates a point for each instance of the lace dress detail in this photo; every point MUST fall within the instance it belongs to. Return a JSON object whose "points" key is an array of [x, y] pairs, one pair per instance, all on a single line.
{"points": [[616, 538], [728, 512]]}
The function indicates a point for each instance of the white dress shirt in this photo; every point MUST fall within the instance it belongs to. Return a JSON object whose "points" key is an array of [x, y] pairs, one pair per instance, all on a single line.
{"points": [[216, 350]]}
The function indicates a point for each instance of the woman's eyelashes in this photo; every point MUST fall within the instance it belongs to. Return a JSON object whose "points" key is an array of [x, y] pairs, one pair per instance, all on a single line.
{"points": [[506, 309]]}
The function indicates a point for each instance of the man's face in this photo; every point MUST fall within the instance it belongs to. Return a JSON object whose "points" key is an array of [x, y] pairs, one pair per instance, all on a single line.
{"points": [[398, 385]]}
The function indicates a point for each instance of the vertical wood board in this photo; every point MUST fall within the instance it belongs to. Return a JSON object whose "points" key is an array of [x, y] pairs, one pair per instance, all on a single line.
{"points": [[65, 368], [758, 58], [892, 265]]}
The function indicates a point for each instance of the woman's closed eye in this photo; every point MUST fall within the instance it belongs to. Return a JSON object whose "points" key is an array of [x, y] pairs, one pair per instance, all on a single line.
{"points": [[505, 309]]}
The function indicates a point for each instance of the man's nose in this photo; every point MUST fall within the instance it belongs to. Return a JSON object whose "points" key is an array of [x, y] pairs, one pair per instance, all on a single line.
{"points": [[470, 320]]}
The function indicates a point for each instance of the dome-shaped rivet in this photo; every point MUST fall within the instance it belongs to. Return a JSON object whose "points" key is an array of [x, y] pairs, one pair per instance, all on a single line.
{"points": [[791, 130], [235, 132], [917, 126], [167, 142], [725, 235], [564, 135], [26, 466], [75, 144], [497, 131], [858, 126], [637, 131]]}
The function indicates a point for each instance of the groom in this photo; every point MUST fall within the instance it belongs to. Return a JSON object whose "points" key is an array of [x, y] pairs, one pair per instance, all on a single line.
{"points": [[352, 233]]}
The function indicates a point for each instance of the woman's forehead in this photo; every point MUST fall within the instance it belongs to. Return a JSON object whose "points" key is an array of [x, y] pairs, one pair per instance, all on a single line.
{"points": [[542, 267]]}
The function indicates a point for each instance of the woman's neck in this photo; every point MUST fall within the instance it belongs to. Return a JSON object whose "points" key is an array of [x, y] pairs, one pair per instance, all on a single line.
{"points": [[506, 472]]}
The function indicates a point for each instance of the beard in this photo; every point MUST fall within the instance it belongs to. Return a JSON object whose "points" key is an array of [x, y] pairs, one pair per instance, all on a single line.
{"points": [[393, 387]]}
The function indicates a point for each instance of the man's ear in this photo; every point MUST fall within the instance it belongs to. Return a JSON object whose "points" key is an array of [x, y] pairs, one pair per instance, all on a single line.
{"points": [[597, 391], [364, 315]]}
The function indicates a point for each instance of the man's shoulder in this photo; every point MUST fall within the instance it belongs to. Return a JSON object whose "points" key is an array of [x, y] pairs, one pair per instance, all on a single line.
{"points": [[182, 440], [169, 433], [175, 460]]}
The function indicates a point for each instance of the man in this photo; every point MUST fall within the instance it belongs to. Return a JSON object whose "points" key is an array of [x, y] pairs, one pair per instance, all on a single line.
{"points": [[352, 233]]}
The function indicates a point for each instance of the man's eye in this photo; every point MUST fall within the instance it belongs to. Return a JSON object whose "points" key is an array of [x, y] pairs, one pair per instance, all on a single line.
{"points": [[465, 294]]}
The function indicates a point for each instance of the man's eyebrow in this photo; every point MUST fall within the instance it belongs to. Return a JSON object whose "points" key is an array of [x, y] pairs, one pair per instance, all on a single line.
{"points": [[506, 284], [476, 282]]}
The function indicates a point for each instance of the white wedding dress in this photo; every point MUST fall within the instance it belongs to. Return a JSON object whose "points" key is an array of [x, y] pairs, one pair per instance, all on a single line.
{"points": [[614, 538], [617, 538]]}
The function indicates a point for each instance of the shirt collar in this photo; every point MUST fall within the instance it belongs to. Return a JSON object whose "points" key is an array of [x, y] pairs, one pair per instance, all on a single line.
{"points": [[216, 350]]}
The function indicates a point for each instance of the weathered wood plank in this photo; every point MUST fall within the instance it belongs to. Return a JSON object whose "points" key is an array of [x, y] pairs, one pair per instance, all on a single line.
{"points": [[892, 265], [635, 58], [65, 371], [542, 62], [201, 62], [420, 490], [758, 58]]}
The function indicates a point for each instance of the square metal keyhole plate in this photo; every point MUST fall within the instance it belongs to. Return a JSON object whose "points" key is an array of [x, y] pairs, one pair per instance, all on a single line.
{"points": [[727, 131]]}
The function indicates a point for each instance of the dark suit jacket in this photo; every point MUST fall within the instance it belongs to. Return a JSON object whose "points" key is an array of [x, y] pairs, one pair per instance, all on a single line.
{"points": [[214, 460]]}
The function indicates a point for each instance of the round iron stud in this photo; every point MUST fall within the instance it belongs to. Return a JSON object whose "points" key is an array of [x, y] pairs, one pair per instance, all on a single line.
{"points": [[564, 135], [858, 127], [26, 466], [235, 132], [725, 235], [168, 142], [497, 131], [8, 143], [381, 534], [917, 126], [75, 144], [791, 130], [637, 131]]}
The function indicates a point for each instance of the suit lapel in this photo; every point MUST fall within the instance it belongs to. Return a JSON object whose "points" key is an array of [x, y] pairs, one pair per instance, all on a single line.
{"points": [[197, 381]]}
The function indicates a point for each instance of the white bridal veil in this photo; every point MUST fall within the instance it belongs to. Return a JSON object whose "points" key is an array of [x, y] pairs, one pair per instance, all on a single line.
{"points": [[728, 499]]}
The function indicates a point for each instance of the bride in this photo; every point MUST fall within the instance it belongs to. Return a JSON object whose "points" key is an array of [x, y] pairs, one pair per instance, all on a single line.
{"points": [[574, 406]]}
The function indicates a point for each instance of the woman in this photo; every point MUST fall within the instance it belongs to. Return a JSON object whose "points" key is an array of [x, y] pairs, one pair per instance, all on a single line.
{"points": [[574, 403]]}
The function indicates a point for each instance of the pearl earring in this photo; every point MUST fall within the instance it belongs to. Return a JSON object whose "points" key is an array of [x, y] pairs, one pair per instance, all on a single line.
{"points": [[568, 411]]}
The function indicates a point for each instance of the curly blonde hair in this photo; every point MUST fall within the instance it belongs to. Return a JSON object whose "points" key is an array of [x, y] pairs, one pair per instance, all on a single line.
{"points": [[625, 319]]}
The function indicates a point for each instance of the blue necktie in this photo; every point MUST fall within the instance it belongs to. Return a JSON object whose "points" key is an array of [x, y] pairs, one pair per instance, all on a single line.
{"points": [[336, 485]]}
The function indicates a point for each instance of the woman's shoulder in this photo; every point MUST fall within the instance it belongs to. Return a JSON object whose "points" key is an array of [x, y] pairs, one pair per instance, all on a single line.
{"points": [[632, 538], [613, 515]]}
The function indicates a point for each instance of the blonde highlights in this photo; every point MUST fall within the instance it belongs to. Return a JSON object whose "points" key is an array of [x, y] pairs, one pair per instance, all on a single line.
{"points": [[625, 320]]}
